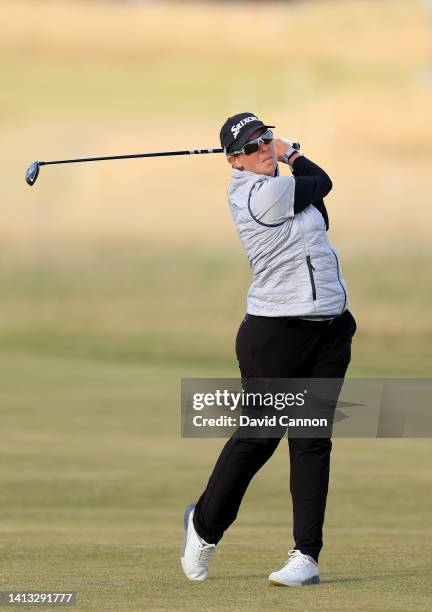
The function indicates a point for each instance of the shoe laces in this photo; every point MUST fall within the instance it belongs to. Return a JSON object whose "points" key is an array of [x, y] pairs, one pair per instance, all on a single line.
{"points": [[296, 559], [205, 552]]}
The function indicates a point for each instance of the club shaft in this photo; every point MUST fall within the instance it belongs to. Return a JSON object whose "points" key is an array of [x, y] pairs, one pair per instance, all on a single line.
{"points": [[161, 154]]}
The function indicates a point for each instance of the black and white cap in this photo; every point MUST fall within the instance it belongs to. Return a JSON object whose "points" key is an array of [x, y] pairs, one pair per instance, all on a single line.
{"points": [[237, 131]]}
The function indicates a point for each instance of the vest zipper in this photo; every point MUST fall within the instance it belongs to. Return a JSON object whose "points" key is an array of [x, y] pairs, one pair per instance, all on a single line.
{"points": [[311, 276]]}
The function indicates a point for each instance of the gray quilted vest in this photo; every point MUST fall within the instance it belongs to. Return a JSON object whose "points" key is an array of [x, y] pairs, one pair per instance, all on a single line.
{"points": [[296, 271]]}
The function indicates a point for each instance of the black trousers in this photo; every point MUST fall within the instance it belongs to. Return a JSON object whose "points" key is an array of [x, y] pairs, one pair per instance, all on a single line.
{"points": [[269, 347]]}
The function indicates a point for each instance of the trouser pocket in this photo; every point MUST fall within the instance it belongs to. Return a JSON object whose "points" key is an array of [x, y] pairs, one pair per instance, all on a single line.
{"points": [[353, 323]]}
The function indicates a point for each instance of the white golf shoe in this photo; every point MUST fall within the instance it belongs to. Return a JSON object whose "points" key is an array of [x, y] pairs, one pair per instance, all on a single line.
{"points": [[299, 570], [196, 552]]}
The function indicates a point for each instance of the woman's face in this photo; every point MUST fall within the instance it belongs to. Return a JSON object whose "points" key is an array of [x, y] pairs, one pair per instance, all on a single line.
{"points": [[263, 161]]}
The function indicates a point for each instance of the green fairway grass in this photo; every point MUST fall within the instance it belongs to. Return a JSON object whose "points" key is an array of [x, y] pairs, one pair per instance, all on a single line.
{"points": [[94, 480]]}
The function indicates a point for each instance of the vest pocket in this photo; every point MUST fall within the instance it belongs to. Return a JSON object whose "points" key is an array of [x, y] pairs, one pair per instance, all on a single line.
{"points": [[311, 276]]}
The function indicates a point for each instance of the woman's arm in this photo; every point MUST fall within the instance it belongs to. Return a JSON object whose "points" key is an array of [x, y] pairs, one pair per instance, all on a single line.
{"points": [[311, 183], [276, 199], [304, 188]]}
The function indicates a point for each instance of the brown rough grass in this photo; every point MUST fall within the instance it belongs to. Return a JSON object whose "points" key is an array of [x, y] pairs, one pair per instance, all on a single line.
{"points": [[350, 80]]}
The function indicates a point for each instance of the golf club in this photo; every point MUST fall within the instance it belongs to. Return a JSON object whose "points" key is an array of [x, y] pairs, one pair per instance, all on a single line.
{"points": [[33, 170]]}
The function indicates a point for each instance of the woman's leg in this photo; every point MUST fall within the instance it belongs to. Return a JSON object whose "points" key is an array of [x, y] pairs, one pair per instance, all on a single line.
{"points": [[310, 457], [241, 458], [239, 461]]}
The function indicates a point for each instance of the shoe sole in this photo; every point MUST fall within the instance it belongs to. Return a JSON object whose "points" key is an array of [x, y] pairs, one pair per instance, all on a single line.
{"points": [[186, 574], [313, 580]]}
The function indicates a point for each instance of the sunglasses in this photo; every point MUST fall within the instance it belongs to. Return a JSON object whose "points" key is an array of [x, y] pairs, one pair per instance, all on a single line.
{"points": [[253, 145]]}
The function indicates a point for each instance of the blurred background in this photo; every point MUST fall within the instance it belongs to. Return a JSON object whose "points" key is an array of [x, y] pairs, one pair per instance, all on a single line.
{"points": [[119, 278]]}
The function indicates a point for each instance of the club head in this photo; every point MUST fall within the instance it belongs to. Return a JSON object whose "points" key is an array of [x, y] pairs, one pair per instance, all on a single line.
{"points": [[32, 173]]}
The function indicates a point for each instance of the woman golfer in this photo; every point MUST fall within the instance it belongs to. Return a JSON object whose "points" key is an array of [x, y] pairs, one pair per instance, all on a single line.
{"points": [[297, 325]]}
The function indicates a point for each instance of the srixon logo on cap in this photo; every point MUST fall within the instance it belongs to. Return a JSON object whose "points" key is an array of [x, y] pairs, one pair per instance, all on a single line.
{"points": [[236, 128]]}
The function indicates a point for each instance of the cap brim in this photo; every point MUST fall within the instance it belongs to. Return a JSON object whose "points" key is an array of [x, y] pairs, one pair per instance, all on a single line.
{"points": [[247, 136]]}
